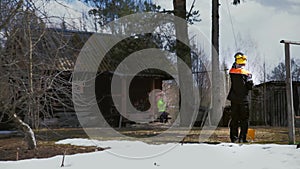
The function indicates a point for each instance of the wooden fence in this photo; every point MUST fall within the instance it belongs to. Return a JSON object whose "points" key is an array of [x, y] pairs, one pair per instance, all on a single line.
{"points": [[269, 103]]}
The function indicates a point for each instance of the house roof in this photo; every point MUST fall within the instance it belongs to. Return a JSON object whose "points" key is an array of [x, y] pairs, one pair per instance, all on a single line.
{"points": [[69, 44]]}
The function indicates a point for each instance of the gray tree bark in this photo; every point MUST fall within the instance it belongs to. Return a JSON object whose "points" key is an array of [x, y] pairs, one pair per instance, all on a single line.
{"points": [[183, 52], [216, 111]]}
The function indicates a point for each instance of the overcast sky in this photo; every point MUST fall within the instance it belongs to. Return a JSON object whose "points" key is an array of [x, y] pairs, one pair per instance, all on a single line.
{"points": [[262, 22]]}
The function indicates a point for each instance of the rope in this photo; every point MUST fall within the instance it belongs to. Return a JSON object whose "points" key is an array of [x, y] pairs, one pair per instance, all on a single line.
{"points": [[232, 28]]}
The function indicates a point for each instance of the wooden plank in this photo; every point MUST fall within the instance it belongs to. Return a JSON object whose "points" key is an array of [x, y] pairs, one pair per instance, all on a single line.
{"points": [[289, 95], [290, 42]]}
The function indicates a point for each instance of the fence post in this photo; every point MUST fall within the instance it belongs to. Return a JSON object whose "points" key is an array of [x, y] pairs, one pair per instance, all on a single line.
{"points": [[289, 94]]}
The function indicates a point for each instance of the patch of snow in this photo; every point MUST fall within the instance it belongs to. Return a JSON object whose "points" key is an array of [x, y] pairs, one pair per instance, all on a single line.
{"points": [[7, 132], [80, 142], [127, 149], [224, 155]]}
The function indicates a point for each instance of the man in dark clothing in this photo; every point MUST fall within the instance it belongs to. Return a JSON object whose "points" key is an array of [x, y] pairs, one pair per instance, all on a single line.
{"points": [[241, 83]]}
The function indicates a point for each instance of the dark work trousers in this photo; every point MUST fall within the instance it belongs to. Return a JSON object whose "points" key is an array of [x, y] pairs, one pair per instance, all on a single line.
{"points": [[164, 117], [239, 118]]}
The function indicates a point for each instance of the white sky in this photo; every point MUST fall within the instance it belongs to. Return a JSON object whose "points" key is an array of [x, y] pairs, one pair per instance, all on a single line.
{"points": [[74, 13], [265, 22], [262, 23], [224, 155]]}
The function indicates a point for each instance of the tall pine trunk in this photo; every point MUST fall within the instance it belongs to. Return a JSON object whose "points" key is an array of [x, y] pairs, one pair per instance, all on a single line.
{"points": [[216, 111], [183, 51]]}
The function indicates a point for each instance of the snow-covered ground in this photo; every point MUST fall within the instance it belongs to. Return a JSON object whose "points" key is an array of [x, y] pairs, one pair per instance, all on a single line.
{"points": [[124, 154]]}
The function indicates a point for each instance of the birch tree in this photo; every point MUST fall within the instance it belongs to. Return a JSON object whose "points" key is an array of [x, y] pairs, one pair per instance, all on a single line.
{"points": [[11, 98], [32, 75]]}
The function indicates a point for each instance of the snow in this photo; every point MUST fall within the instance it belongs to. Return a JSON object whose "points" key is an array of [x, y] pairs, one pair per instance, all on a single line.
{"points": [[4, 132], [224, 155]]}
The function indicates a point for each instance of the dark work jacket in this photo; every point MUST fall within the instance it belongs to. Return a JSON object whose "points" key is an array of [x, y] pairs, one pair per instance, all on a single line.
{"points": [[241, 83]]}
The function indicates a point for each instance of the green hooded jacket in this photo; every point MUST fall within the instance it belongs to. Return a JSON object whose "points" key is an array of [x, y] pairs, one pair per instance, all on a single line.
{"points": [[161, 105]]}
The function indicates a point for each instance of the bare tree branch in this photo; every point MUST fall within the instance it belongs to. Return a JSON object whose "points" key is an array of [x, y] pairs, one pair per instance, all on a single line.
{"points": [[13, 9]]}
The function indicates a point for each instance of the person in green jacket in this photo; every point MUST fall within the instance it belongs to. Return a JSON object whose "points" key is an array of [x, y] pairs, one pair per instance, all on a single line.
{"points": [[161, 106]]}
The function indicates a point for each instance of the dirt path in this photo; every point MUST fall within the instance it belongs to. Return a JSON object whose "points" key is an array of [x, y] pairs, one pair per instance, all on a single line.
{"points": [[14, 147]]}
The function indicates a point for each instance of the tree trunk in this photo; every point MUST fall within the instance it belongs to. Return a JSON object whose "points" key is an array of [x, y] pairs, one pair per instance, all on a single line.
{"points": [[183, 51], [29, 135], [216, 112]]}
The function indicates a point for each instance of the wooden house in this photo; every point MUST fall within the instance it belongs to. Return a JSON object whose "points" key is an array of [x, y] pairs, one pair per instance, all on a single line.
{"points": [[55, 54]]}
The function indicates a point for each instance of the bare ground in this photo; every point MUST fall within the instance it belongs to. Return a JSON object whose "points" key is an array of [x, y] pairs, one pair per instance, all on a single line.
{"points": [[14, 147]]}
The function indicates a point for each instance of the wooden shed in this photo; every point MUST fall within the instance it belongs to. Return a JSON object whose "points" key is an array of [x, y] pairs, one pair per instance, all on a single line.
{"points": [[140, 87], [55, 55]]}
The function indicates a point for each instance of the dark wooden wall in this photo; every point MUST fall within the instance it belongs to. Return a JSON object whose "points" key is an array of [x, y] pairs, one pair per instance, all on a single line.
{"points": [[268, 104]]}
